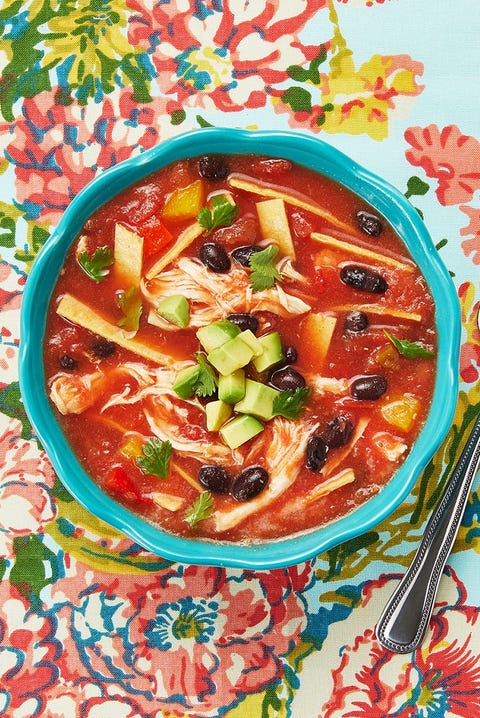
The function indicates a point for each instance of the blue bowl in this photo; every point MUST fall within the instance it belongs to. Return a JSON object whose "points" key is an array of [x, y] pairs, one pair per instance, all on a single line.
{"points": [[317, 155]]}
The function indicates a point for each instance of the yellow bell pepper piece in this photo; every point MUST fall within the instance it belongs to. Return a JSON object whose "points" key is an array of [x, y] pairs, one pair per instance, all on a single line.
{"points": [[185, 202], [402, 412]]}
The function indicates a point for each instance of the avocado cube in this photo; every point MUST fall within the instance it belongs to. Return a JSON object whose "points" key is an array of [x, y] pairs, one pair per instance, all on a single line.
{"points": [[272, 352], [240, 430], [175, 309], [258, 400], [218, 412], [185, 381], [231, 387], [249, 338], [216, 334], [230, 356]]}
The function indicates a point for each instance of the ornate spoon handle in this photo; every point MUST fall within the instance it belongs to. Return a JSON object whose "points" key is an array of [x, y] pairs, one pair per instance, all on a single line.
{"points": [[406, 616]]}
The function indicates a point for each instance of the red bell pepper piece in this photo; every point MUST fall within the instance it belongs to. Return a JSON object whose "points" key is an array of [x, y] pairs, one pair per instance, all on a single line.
{"points": [[155, 236], [119, 483]]}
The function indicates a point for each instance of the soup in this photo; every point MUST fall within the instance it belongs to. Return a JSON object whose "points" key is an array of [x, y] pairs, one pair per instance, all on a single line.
{"points": [[240, 349]]}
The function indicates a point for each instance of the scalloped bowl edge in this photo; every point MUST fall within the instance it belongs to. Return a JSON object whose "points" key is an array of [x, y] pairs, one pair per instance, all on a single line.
{"points": [[316, 154]]}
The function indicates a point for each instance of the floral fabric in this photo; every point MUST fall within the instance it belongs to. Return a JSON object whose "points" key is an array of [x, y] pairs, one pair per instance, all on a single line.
{"points": [[92, 625]]}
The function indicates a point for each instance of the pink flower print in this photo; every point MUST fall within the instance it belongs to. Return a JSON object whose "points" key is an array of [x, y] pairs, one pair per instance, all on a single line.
{"points": [[194, 640], [223, 56], [28, 654], [364, 679], [449, 157], [471, 246], [11, 286], [58, 149], [26, 504]]}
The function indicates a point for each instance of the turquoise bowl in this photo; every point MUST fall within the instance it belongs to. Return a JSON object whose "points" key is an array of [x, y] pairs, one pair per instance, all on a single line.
{"points": [[319, 156]]}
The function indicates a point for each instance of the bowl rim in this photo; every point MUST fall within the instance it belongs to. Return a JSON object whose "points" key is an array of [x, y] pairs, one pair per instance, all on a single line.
{"points": [[316, 154]]}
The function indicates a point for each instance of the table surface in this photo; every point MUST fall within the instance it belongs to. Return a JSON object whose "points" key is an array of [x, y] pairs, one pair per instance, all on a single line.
{"points": [[91, 625]]}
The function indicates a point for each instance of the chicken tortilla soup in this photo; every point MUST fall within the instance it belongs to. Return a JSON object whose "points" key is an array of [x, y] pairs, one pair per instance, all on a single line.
{"points": [[240, 349]]}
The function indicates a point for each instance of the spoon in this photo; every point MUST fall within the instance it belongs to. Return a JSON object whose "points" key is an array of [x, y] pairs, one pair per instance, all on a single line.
{"points": [[405, 619]]}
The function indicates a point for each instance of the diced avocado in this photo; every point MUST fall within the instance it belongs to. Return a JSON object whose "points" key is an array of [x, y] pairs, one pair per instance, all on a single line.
{"points": [[239, 430], [185, 381], [230, 356], [175, 309], [218, 412], [216, 334], [258, 400], [272, 352], [231, 387], [249, 338]]}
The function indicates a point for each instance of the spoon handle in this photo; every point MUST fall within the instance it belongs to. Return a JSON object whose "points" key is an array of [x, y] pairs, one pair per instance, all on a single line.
{"points": [[406, 616]]}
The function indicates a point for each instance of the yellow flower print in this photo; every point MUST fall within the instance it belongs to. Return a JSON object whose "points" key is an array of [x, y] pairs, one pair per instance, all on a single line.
{"points": [[362, 100], [86, 42]]}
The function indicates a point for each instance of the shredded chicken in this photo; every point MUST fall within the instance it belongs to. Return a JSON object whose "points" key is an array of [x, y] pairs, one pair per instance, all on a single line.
{"points": [[214, 295], [72, 394], [285, 443]]}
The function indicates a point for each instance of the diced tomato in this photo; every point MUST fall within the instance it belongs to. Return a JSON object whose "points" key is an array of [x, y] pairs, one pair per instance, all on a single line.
{"points": [[193, 432], [155, 236], [119, 483], [300, 225], [272, 166]]}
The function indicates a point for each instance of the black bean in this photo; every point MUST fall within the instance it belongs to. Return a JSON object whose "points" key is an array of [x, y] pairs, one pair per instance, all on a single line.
{"points": [[369, 223], [215, 478], [213, 167], [290, 354], [317, 452], [244, 321], [370, 387], [337, 432], [287, 379], [355, 322], [249, 482], [367, 280], [214, 257], [68, 362], [242, 254], [102, 348]]}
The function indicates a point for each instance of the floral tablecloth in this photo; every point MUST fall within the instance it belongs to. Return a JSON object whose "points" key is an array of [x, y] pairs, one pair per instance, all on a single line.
{"points": [[91, 625]]}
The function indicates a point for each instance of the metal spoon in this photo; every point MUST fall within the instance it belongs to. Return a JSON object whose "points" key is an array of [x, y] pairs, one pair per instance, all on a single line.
{"points": [[404, 620]]}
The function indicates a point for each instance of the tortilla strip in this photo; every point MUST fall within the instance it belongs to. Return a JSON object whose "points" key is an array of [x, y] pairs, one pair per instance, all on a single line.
{"points": [[189, 479], [346, 476], [337, 456], [183, 241], [379, 309], [79, 313], [361, 251], [128, 253], [264, 189]]}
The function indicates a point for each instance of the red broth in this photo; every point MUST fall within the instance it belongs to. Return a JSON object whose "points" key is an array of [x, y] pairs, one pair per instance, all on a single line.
{"points": [[352, 310]]}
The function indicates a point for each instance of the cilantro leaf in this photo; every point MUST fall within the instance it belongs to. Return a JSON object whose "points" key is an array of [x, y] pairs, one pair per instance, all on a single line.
{"points": [[206, 379], [131, 305], [201, 509], [155, 457], [220, 213], [264, 272], [96, 266], [412, 350], [290, 403]]}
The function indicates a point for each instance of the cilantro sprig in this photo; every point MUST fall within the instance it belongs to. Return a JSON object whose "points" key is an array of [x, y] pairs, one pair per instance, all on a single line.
{"points": [[290, 403], [220, 213], [206, 380], [155, 457], [200, 510], [96, 266], [409, 349], [264, 271], [130, 303]]}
